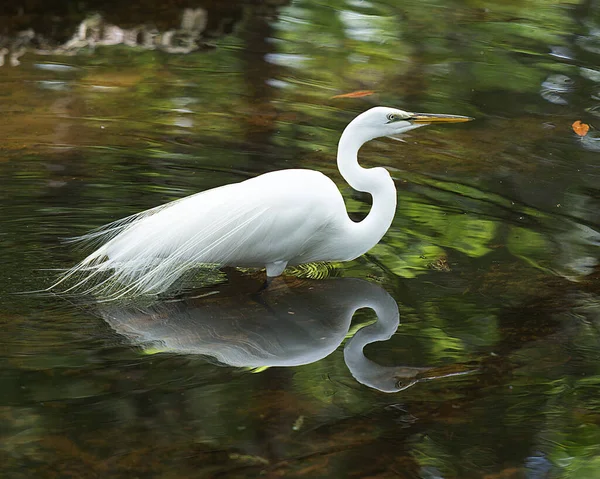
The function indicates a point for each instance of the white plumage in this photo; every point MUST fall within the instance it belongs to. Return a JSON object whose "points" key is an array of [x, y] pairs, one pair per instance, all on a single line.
{"points": [[279, 218]]}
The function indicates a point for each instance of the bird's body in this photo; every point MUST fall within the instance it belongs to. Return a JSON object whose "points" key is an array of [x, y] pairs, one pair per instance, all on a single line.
{"points": [[270, 220], [284, 217]]}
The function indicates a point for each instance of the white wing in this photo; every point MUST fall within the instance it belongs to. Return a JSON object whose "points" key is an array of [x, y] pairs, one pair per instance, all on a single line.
{"points": [[281, 216]]}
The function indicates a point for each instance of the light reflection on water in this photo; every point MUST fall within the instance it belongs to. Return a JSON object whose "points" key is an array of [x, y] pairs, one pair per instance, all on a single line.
{"points": [[492, 257], [278, 327]]}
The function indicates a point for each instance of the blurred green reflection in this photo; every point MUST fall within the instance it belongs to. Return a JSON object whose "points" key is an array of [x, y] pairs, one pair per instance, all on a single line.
{"points": [[492, 257]]}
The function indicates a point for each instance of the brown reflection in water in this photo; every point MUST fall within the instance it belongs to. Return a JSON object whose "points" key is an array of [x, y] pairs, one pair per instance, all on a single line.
{"points": [[32, 25]]}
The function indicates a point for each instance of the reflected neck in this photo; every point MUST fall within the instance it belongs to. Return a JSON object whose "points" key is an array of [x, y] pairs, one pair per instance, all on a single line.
{"points": [[362, 369]]}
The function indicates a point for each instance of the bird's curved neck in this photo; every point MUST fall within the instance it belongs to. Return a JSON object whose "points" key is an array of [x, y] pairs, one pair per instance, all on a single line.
{"points": [[375, 181], [364, 370]]}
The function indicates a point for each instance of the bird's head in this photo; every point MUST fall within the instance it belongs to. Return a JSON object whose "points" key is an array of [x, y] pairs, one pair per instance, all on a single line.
{"points": [[384, 121]]}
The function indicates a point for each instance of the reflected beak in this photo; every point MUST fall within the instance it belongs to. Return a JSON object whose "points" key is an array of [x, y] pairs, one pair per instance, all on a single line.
{"points": [[434, 118]]}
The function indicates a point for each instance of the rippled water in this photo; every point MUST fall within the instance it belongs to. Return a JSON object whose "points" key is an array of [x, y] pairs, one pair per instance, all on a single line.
{"points": [[481, 348]]}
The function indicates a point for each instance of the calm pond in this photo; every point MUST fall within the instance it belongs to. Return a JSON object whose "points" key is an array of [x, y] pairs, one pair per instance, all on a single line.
{"points": [[466, 344]]}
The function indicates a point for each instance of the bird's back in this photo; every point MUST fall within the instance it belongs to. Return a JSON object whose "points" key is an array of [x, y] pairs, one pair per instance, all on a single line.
{"points": [[288, 215]]}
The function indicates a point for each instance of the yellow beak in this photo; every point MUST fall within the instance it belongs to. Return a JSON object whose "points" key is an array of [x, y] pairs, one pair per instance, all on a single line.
{"points": [[437, 118]]}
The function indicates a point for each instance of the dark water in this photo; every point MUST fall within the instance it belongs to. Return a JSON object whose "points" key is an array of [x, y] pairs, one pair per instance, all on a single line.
{"points": [[492, 259]]}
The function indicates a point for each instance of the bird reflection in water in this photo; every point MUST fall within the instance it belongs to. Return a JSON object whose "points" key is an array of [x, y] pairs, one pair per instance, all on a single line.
{"points": [[288, 324]]}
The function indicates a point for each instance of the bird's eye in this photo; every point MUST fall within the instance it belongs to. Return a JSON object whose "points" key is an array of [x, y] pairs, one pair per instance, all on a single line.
{"points": [[391, 117]]}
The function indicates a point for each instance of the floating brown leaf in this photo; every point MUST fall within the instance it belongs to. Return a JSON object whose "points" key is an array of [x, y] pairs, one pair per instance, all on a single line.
{"points": [[355, 94], [580, 128]]}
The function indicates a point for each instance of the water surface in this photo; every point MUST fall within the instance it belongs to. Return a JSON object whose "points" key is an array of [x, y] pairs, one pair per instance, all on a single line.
{"points": [[492, 259]]}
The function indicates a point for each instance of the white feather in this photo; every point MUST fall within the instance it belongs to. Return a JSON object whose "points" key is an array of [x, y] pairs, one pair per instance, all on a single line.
{"points": [[249, 224], [279, 218]]}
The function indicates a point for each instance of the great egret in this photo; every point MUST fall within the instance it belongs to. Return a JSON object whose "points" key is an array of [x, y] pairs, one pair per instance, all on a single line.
{"points": [[284, 217]]}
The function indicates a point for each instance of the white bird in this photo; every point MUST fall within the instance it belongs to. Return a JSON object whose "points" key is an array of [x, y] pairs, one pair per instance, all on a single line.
{"points": [[281, 218]]}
